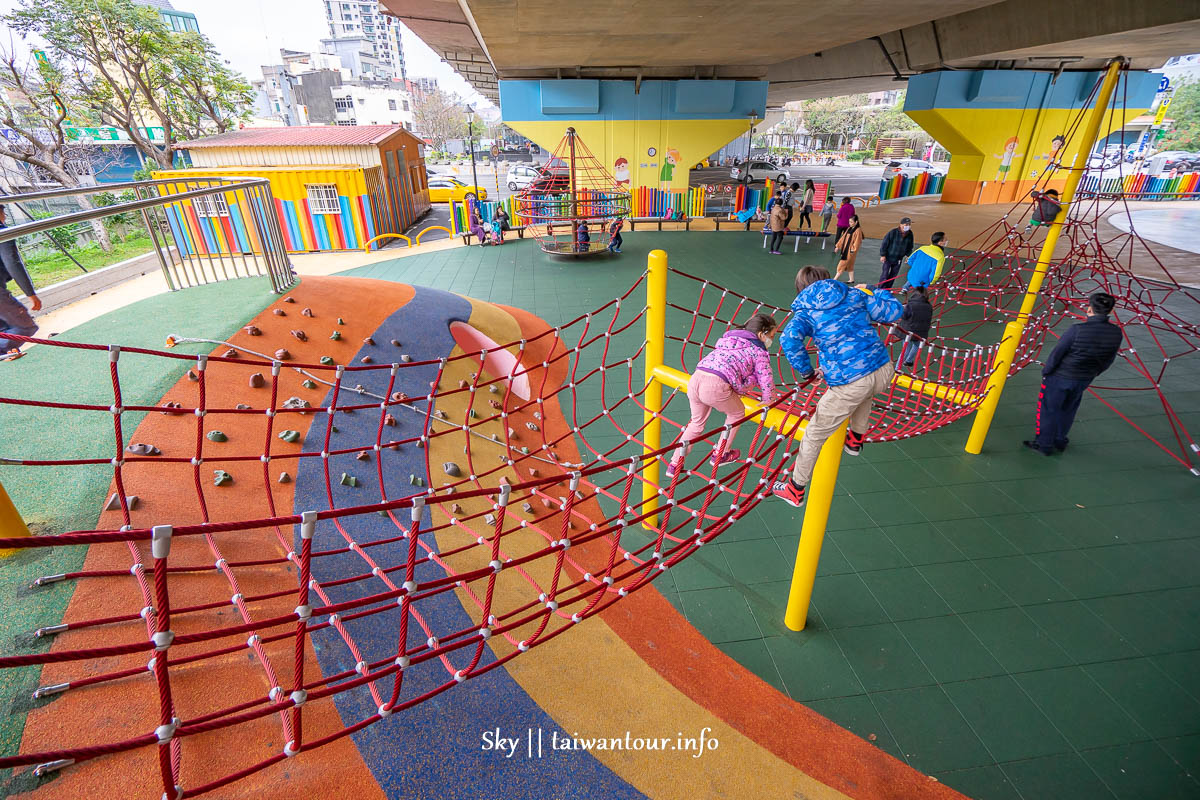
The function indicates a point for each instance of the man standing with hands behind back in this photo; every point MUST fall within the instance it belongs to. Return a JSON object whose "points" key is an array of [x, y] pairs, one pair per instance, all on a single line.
{"points": [[894, 248], [13, 316]]}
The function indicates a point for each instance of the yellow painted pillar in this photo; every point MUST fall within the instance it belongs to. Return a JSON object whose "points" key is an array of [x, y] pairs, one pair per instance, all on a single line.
{"points": [[818, 500], [11, 524], [1014, 330], [656, 332]]}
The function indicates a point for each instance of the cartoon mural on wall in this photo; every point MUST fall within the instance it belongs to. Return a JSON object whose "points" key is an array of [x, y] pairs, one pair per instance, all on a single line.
{"points": [[621, 171], [670, 159], [1006, 159]]}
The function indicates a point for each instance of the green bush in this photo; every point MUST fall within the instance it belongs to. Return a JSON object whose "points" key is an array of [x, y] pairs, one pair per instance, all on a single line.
{"points": [[857, 155], [64, 235]]}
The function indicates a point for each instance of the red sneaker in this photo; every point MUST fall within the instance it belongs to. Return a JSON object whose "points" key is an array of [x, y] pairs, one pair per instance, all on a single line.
{"points": [[854, 443], [786, 491]]}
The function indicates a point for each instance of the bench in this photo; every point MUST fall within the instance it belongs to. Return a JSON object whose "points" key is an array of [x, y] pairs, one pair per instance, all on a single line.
{"points": [[732, 221], [520, 229], [687, 221], [807, 235]]}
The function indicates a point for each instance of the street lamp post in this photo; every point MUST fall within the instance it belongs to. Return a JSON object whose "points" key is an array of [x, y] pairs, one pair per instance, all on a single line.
{"points": [[471, 144]]}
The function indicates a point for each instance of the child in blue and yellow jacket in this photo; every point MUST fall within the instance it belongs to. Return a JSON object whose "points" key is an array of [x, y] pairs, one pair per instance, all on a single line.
{"points": [[925, 265]]}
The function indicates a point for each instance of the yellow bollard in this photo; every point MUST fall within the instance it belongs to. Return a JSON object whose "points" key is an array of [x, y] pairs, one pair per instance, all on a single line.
{"points": [[1015, 329], [11, 524], [656, 331], [819, 498]]}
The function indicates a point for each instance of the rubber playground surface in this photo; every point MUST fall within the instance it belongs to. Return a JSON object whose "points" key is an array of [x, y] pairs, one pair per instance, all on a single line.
{"points": [[1003, 625]]}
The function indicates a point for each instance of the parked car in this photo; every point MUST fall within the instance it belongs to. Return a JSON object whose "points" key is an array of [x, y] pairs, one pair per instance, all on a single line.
{"points": [[910, 168], [551, 180], [444, 188], [757, 171], [1180, 160], [520, 176]]}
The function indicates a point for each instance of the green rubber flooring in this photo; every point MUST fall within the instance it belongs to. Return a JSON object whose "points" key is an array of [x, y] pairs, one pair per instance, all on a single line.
{"points": [[1014, 625]]}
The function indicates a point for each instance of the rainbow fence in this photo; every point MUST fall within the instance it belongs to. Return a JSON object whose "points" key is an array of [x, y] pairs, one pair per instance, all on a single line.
{"points": [[1143, 186], [900, 186]]}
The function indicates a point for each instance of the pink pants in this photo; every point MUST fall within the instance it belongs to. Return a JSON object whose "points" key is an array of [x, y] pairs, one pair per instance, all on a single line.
{"points": [[706, 392]]}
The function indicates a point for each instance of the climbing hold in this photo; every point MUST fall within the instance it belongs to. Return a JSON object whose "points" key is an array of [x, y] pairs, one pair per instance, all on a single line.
{"points": [[512, 433], [412, 479], [242, 406], [455, 508], [495, 438], [346, 410], [348, 479], [335, 336], [252, 331], [231, 353], [490, 519], [366, 359], [527, 508], [399, 397], [114, 502], [279, 312], [462, 384], [341, 321], [301, 335], [533, 472], [537, 415], [368, 340], [578, 495], [433, 385], [289, 299], [144, 450], [471, 413], [439, 414], [221, 478], [257, 381], [420, 481], [296, 402], [406, 358], [420, 444], [307, 312], [172, 409], [474, 376], [492, 388], [192, 376], [547, 502], [389, 420], [532, 426], [333, 428], [282, 355], [217, 436], [363, 456], [451, 469], [504, 481], [396, 342], [285, 478], [525, 450], [308, 384], [326, 360], [494, 403]]}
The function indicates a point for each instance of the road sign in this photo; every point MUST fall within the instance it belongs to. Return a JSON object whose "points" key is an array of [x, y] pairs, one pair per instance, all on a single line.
{"points": [[1162, 111], [1164, 83]]}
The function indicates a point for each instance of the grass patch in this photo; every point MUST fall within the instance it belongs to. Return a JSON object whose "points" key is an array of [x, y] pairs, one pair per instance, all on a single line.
{"points": [[50, 267]]}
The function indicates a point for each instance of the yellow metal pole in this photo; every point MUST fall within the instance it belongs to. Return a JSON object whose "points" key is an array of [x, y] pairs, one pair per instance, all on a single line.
{"points": [[812, 532], [1014, 330], [11, 524], [656, 331]]}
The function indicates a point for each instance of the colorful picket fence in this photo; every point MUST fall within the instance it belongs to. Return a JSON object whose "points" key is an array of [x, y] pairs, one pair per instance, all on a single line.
{"points": [[900, 186], [1148, 187]]}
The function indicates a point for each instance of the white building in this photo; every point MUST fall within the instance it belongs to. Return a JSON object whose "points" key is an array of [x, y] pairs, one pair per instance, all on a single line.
{"points": [[363, 18], [355, 104]]}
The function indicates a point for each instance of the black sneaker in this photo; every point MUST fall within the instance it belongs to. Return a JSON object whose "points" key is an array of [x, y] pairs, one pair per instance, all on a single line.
{"points": [[854, 443], [1033, 445]]}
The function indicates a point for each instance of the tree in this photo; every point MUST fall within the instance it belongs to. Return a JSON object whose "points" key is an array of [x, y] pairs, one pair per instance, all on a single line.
{"points": [[852, 116], [440, 116], [1184, 112], [35, 108], [132, 70]]}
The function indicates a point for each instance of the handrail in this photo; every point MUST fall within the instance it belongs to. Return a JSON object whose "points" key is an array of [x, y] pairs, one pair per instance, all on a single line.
{"points": [[367, 247], [432, 228]]}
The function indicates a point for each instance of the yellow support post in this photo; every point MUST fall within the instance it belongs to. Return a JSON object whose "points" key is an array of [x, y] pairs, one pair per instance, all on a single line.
{"points": [[11, 524], [656, 333], [812, 532], [1015, 329]]}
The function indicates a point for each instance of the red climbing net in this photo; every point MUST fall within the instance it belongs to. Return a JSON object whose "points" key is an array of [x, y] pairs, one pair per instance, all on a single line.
{"points": [[530, 538]]}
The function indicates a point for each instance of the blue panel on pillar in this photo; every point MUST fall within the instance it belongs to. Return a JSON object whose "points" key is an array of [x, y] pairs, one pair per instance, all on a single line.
{"points": [[570, 96], [704, 97]]}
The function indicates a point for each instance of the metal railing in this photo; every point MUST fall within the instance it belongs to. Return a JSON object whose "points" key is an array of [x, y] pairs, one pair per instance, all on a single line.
{"points": [[203, 230]]}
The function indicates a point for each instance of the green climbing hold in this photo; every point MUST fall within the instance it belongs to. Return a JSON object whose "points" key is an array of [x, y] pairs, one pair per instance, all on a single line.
{"points": [[217, 436], [335, 336], [221, 478], [309, 385], [341, 321], [290, 436], [326, 360], [472, 414], [349, 480]]}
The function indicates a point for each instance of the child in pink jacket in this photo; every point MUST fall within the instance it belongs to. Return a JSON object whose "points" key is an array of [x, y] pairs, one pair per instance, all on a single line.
{"points": [[739, 362]]}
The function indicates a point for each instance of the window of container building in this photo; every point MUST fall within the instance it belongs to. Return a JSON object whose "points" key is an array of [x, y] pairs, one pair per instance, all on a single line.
{"points": [[212, 205], [323, 198]]}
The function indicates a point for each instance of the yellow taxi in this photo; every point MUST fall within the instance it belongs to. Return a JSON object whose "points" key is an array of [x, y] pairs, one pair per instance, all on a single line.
{"points": [[444, 188]]}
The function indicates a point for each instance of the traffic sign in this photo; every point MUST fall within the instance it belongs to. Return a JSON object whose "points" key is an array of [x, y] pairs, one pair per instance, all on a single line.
{"points": [[1164, 83]]}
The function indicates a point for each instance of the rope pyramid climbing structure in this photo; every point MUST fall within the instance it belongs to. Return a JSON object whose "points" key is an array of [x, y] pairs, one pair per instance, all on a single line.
{"points": [[532, 500]]}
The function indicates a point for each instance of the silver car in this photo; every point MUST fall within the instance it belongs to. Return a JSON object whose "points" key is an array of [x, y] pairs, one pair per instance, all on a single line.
{"points": [[748, 172]]}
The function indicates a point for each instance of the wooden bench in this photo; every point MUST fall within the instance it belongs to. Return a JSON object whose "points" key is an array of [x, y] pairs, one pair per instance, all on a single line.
{"points": [[520, 229], [732, 221], [687, 221], [807, 235]]}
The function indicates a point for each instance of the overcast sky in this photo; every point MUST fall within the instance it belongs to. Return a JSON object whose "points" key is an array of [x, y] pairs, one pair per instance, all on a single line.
{"points": [[249, 33]]}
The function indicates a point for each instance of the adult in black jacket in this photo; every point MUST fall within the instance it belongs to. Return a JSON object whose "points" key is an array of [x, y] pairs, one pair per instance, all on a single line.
{"points": [[916, 322], [1083, 352], [894, 248], [14, 318]]}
